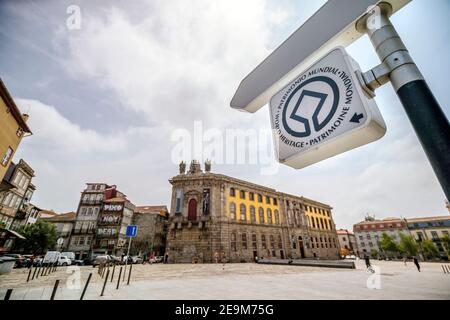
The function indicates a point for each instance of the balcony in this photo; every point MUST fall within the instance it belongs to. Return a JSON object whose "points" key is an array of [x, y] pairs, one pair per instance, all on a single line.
{"points": [[83, 231], [91, 202]]}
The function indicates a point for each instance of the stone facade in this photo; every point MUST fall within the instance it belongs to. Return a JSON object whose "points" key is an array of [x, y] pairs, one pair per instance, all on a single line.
{"points": [[214, 217]]}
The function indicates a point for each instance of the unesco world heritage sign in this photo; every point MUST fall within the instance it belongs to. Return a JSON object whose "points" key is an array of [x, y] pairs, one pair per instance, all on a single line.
{"points": [[323, 112]]}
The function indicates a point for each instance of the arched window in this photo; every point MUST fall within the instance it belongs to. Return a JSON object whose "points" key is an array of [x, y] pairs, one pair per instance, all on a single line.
{"points": [[242, 211], [317, 223], [321, 223], [272, 242], [261, 215], [232, 192], [232, 211], [263, 241], [252, 214], [254, 242], [244, 241], [192, 209], [269, 216], [233, 241], [277, 216], [280, 242]]}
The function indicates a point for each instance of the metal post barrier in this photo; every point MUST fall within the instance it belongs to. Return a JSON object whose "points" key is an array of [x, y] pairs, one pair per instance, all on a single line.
{"points": [[44, 270], [447, 269], [118, 279], [29, 274], [129, 274], [8, 294], [34, 273], [86, 285], [54, 290], [39, 270], [112, 275], [104, 283]]}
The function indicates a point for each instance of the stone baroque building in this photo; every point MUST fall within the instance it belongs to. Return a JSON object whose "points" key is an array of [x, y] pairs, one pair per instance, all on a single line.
{"points": [[214, 217], [347, 241]]}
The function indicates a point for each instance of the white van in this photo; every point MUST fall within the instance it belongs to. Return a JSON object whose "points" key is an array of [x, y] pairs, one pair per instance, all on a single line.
{"points": [[70, 255], [51, 257]]}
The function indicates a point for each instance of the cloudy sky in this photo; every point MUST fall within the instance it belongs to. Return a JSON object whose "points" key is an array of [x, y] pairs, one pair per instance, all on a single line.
{"points": [[105, 100]]}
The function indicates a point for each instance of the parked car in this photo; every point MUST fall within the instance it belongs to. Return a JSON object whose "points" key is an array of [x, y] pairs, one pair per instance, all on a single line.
{"points": [[78, 262], [20, 260], [102, 259], [159, 259], [115, 260], [70, 255], [350, 257], [136, 260], [129, 258], [38, 261], [64, 261]]}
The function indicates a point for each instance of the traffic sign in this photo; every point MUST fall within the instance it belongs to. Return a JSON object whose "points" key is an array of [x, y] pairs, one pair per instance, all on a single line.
{"points": [[131, 231], [334, 24], [323, 112]]}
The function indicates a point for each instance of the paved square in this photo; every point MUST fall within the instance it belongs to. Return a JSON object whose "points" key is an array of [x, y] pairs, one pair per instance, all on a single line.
{"points": [[243, 281]]}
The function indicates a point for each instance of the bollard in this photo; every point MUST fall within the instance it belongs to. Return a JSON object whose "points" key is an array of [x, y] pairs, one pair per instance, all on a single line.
{"points": [[39, 270], [118, 279], [8, 294], [112, 275], [35, 268], [29, 274], [129, 274], [54, 290], [104, 283], [447, 269], [44, 270], [86, 285], [55, 267]]}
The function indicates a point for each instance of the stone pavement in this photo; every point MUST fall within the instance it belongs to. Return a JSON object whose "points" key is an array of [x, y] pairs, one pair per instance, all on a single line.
{"points": [[394, 280]]}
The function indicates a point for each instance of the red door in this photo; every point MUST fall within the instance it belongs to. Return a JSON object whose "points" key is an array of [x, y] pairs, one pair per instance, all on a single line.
{"points": [[192, 212]]}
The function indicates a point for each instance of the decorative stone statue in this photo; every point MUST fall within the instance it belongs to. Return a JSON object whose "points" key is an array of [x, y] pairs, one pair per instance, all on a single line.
{"points": [[194, 167], [182, 167], [208, 165]]}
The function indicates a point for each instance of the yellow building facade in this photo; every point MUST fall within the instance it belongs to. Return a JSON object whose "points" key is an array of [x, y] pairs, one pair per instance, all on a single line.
{"points": [[13, 128]]}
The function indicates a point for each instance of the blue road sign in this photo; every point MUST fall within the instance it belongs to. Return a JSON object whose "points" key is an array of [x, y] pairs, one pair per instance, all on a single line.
{"points": [[131, 231]]}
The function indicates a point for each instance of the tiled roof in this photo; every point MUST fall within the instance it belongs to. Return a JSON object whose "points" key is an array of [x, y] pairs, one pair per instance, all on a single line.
{"points": [[69, 216], [150, 209]]}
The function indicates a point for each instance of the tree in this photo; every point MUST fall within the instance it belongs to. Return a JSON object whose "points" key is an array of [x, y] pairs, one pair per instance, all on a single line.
{"points": [[374, 253], [429, 249], [445, 240], [388, 245], [39, 237], [408, 245]]}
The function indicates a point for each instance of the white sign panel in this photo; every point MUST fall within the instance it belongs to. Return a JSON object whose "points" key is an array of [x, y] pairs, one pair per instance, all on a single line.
{"points": [[323, 112]]}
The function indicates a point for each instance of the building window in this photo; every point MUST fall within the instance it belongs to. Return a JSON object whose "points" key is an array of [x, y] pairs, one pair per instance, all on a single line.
{"points": [[232, 192], [313, 222], [242, 194], [263, 241], [267, 200], [269, 216], [321, 223], [272, 242], [261, 215], [277, 217], [370, 244], [259, 198], [434, 235], [317, 223], [360, 238], [280, 243], [252, 214], [242, 212], [275, 201], [232, 211], [254, 242], [244, 241], [7, 156], [233, 241], [251, 196]]}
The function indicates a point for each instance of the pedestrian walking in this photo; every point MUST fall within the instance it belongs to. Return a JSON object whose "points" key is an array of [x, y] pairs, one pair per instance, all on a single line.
{"points": [[416, 262], [367, 260], [404, 260]]}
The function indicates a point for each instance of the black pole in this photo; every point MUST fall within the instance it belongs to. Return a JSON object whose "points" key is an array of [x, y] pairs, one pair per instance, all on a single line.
{"points": [[54, 290], [29, 274], [104, 283], [112, 275], [129, 274], [118, 279], [431, 126], [34, 273], [8, 294], [86, 285]]}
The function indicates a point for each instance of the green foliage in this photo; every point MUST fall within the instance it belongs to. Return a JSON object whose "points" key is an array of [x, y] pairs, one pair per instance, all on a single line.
{"points": [[429, 249], [2, 224], [445, 240], [388, 245], [40, 237], [374, 253], [408, 245]]}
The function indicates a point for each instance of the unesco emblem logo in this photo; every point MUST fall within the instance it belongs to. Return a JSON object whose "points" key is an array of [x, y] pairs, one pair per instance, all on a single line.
{"points": [[311, 105]]}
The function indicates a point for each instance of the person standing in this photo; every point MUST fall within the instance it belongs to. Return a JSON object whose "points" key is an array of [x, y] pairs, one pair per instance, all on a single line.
{"points": [[404, 260], [416, 262], [367, 260]]}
